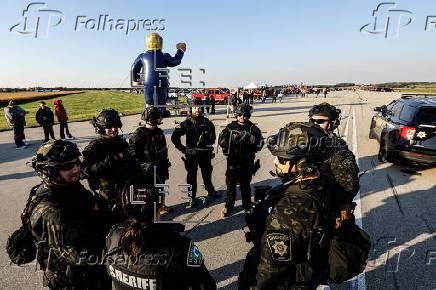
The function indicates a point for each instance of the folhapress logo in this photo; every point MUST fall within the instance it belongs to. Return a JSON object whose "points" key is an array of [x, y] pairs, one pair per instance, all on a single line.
{"points": [[388, 20], [38, 20]]}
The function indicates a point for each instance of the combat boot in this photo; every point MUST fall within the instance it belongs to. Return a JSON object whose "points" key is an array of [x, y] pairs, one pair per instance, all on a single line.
{"points": [[213, 193]]}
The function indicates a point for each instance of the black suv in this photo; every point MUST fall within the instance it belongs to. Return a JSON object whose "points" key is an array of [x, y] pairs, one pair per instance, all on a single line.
{"points": [[406, 129]]}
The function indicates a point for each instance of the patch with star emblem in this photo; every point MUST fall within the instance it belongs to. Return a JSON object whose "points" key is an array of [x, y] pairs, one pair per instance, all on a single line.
{"points": [[195, 258], [421, 135], [279, 243]]}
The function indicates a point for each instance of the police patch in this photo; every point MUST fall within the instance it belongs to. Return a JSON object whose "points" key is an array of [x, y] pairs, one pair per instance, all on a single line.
{"points": [[195, 258], [279, 244]]}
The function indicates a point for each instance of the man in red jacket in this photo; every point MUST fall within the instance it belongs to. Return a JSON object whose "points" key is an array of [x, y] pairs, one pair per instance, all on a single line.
{"points": [[62, 116]]}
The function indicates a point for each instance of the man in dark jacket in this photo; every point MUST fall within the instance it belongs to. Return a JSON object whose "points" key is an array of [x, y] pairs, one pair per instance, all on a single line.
{"points": [[149, 147], [45, 118], [345, 171], [107, 159], [232, 103], [15, 115], [240, 141], [68, 222], [200, 136]]}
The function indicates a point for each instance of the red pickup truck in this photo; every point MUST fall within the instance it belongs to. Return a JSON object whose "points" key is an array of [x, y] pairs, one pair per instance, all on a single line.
{"points": [[217, 94]]}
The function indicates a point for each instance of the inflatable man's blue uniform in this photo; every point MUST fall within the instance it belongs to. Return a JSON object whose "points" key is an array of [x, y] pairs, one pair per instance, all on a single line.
{"points": [[154, 74]]}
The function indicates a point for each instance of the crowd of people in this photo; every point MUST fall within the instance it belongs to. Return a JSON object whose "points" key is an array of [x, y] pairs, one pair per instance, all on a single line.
{"points": [[70, 225], [16, 117]]}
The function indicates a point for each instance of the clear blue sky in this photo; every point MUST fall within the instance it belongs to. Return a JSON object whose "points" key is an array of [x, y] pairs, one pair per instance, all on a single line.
{"points": [[236, 41]]}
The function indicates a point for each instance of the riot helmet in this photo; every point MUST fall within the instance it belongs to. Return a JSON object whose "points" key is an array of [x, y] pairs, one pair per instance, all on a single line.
{"points": [[244, 109], [107, 118], [52, 156], [152, 115], [326, 110], [303, 144]]}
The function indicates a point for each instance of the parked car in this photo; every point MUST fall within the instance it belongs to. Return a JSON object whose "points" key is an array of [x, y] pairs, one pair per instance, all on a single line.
{"points": [[406, 129], [217, 94], [257, 93]]}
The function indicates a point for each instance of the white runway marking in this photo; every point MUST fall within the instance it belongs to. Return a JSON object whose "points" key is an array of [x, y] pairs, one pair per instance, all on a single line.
{"points": [[361, 279]]}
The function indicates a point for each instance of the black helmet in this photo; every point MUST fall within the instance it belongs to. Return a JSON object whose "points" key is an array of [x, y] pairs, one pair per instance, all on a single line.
{"points": [[298, 139], [302, 143], [152, 115], [50, 155], [244, 109], [107, 118], [327, 110]]}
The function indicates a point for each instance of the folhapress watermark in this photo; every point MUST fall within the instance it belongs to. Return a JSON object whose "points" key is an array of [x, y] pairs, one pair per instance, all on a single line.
{"points": [[38, 20], [388, 21], [107, 23]]}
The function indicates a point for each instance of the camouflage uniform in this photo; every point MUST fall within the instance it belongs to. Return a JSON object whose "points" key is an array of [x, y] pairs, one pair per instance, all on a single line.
{"points": [[68, 225], [150, 149], [200, 133], [341, 165], [342, 170], [289, 258], [292, 254], [240, 144]]}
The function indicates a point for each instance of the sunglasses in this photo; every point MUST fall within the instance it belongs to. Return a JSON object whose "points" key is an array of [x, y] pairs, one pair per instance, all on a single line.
{"points": [[69, 165], [245, 115], [319, 121]]}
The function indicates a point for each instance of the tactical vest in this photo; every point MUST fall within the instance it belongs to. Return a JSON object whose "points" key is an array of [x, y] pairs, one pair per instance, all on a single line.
{"points": [[144, 271], [308, 265], [199, 132], [238, 142], [76, 214], [154, 149], [97, 151]]}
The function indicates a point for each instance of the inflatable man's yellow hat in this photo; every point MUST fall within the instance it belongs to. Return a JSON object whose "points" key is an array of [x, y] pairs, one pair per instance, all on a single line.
{"points": [[154, 41]]}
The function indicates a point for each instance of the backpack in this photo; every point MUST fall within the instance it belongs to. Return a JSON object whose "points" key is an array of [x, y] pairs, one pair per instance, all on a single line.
{"points": [[20, 246], [347, 252]]}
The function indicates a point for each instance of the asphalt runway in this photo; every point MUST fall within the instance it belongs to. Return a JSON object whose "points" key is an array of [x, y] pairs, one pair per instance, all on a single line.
{"points": [[397, 203]]}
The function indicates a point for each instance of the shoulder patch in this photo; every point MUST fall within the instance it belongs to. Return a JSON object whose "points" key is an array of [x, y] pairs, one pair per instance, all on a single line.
{"points": [[195, 258], [279, 244]]}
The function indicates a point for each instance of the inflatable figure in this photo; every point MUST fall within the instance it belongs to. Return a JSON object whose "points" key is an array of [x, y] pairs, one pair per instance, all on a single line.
{"points": [[155, 74]]}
